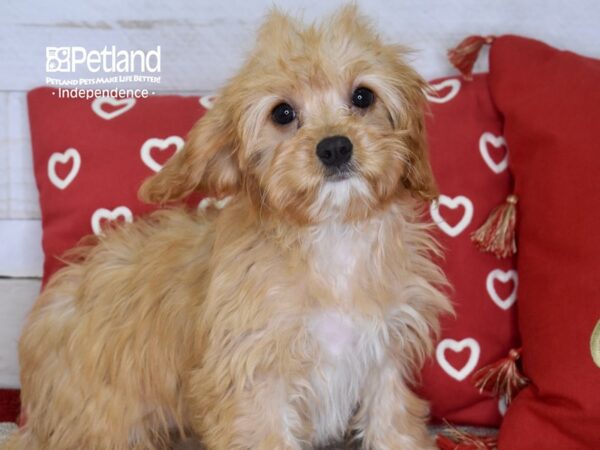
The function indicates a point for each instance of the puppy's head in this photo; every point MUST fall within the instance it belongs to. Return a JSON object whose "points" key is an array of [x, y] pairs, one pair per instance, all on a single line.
{"points": [[322, 121]]}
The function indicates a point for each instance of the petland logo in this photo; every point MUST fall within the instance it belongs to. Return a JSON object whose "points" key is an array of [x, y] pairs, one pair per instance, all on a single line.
{"points": [[82, 73], [109, 60]]}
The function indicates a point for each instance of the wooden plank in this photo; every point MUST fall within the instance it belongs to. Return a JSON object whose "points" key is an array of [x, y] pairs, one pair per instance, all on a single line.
{"points": [[21, 250], [16, 299], [198, 48], [18, 193], [4, 171]]}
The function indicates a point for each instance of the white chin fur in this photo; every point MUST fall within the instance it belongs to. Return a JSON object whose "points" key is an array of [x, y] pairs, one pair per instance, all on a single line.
{"points": [[335, 196]]}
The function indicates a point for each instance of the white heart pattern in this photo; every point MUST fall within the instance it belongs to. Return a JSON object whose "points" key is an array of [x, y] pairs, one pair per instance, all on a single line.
{"points": [[208, 101], [452, 203], [161, 144], [107, 214], [504, 277], [125, 105], [63, 158], [497, 141], [458, 346], [435, 97]]}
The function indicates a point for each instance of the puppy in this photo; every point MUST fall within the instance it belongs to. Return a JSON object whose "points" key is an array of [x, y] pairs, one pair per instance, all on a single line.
{"points": [[300, 313]]}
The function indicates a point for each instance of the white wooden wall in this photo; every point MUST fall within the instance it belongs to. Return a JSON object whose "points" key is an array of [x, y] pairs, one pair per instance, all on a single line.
{"points": [[202, 42]]}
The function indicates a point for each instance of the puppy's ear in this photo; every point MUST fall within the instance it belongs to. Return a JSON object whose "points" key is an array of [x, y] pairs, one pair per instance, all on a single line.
{"points": [[207, 163], [418, 177], [409, 117]]}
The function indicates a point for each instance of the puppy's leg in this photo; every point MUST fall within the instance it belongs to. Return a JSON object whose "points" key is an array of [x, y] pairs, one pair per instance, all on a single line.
{"points": [[392, 417], [258, 416]]}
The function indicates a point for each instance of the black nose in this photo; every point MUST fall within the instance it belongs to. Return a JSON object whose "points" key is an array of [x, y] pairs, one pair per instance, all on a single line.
{"points": [[334, 151]]}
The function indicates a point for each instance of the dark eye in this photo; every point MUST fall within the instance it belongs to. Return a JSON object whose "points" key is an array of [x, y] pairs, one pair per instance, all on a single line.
{"points": [[363, 97], [283, 114]]}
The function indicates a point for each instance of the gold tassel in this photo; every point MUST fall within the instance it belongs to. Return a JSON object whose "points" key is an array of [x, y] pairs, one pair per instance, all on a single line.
{"points": [[497, 234], [502, 378], [464, 55]]}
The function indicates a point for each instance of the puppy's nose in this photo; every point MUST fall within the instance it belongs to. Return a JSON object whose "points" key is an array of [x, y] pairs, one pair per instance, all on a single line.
{"points": [[334, 151]]}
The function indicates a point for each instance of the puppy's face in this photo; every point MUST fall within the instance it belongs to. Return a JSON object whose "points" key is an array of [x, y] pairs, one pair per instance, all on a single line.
{"points": [[321, 122]]}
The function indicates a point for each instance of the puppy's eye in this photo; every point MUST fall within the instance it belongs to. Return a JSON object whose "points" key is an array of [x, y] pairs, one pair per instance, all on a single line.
{"points": [[283, 114], [363, 97]]}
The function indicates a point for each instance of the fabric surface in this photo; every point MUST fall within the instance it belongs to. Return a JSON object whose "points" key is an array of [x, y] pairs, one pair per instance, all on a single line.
{"points": [[551, 105], [91, 156], [469, 159], [9, 405]]}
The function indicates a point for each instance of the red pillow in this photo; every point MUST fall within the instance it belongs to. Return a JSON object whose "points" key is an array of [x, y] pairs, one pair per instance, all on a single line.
{"points": [[90, 156], [551, 105], [110, 140], [469, 160], [9, 405]]}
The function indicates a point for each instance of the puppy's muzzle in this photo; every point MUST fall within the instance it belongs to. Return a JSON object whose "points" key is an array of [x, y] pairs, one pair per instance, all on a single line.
{"points": [[335, 152]]}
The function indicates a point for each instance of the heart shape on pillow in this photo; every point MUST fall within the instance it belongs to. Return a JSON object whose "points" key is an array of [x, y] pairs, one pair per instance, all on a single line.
{"points": [[457, 347], [503, 277], [161, 144], [63, 158], [122, 106], [497, 142], [208, 101], [452, 203], [453, 86], [106, 214]]}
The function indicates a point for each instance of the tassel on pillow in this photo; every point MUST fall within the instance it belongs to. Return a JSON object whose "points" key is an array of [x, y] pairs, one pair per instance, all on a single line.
{"points": [[497, 234], [502, 378], [464, 55]]}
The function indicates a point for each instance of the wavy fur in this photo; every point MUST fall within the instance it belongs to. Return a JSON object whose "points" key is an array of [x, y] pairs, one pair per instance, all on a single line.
{"points": [[298, 315]]}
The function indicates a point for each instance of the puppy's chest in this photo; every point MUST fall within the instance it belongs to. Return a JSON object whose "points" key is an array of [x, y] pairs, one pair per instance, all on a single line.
{"points": [[339, 336], [348, 348], [343, 257]]}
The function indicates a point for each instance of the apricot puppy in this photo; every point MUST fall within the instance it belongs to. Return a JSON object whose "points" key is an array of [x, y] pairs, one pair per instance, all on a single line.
{"points": [[300, 313]]}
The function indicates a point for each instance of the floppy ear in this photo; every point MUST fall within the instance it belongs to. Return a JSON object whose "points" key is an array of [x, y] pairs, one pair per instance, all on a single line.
{"points": [[419, 177], [207, 163]]}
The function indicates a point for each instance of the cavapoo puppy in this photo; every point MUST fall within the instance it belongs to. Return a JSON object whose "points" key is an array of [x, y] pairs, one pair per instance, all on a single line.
{"points": [[299, 314]]}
